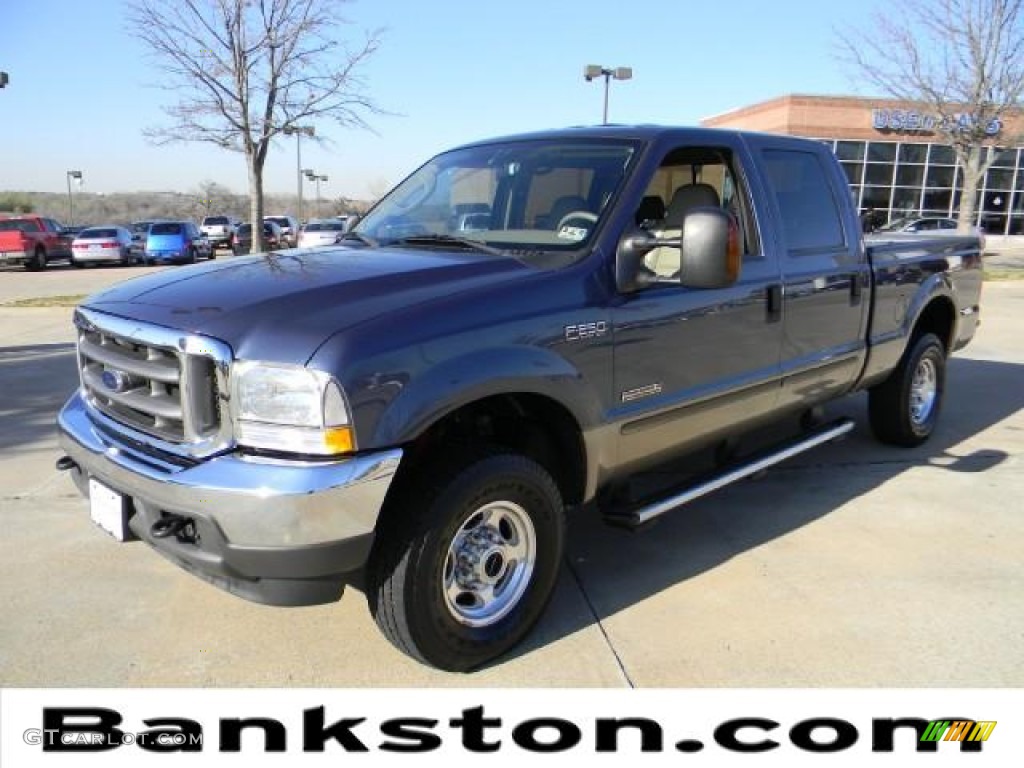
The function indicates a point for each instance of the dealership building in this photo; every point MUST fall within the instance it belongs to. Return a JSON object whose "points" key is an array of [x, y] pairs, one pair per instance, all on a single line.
{"points": [[895, 158]]}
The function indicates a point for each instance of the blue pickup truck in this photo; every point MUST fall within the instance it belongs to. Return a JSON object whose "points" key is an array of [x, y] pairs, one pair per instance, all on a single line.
{"points": [[517, 330]]}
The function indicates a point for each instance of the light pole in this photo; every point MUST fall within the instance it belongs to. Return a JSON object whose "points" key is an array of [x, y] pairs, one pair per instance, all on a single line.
{"points": [[298, 130], [71, 204], [596, 70], [312, 176]]}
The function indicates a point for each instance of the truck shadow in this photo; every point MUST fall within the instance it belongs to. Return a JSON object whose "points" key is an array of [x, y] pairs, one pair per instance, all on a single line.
{"points": [[36, 379], [616, 569]]}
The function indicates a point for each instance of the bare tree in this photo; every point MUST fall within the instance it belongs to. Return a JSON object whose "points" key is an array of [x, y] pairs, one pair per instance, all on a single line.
{"points": [[247, 71], [962, 60]]}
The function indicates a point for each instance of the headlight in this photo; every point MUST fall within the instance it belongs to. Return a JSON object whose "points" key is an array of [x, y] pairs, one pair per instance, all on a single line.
{"points": [[289, 408]]}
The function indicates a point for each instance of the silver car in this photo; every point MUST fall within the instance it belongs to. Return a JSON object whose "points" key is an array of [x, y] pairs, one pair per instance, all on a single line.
{"points": [[102, 245], [321, 232]]}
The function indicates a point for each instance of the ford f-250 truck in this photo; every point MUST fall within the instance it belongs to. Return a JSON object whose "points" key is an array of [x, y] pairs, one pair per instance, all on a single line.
{"points": [[517, 329]]}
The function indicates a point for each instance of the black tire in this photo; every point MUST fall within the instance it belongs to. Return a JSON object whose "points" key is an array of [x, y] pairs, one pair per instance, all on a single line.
{"points": [[76, 263], [904, 408], [433, 523], [191, 256], [38, 261]]}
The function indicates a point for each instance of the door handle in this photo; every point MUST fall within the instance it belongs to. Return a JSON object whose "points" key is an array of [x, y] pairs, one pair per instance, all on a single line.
{"points": [[856, 287], [774, 303]]}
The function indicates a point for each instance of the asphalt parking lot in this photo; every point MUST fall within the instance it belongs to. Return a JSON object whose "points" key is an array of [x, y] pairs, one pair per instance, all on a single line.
{"points": [[854, 565]]}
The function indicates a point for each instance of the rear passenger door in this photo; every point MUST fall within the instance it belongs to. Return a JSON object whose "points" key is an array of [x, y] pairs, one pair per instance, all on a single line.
{"points": [[825, 275]]}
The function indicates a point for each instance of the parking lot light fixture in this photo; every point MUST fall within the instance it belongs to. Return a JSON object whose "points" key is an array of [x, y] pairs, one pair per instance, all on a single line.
{"points": [[298, 130], [315, 177], [71, 204], [592, 71]]}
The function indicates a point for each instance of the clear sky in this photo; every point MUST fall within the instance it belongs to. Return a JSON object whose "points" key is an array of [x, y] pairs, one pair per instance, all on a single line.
{"points": [[448, 71]]}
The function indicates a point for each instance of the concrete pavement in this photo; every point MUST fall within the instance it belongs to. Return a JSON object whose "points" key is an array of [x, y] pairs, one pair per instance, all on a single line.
{"points": [[854, 565]]}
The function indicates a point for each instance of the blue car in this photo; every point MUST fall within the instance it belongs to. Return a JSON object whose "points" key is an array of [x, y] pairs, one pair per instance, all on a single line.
{"points": [[176, 241]]}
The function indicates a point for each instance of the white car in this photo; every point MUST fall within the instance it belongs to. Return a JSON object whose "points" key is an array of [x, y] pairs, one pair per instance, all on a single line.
{"points": [[321, 232], [102, 245]]}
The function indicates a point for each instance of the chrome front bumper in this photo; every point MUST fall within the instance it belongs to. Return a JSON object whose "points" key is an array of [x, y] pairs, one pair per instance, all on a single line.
{"points": [[271, 530]]}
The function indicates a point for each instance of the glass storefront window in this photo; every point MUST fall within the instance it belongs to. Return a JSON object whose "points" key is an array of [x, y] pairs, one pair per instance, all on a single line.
{"points": [[906, 201], [910, 175], [941, 155], [937, 199], [1005, 158], [853, 171], [940, 176], [913, 153], [850, 150], [878, 173], [882, 151], [999, 178], [876, 197]]}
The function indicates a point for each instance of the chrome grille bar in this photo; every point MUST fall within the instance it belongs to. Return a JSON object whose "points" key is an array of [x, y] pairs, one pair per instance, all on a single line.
{"points": [[163, 383]]}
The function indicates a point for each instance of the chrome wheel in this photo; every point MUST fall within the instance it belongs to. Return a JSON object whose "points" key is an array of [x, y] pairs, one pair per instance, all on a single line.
{"points": [[489, 564], [923, 390]]}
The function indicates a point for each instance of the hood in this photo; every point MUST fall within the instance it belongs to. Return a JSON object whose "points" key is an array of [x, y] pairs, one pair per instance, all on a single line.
{"points": [[282, 306]]}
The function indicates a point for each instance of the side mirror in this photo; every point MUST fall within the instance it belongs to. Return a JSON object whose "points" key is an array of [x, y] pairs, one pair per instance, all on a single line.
{"points": [[709, 253]]}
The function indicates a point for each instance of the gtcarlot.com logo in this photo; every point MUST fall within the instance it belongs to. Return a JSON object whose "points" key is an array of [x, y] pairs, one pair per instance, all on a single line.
{"points": [[474, 730]]}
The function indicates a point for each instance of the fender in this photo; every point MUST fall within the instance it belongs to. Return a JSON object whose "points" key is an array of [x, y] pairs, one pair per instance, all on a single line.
{"points": [[482, 373], [885, 349]]}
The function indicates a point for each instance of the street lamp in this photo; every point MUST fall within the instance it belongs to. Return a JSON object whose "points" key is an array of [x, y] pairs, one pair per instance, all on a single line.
{"points": [[312, 176], [71, 204], [596, 70], [298, 130]]}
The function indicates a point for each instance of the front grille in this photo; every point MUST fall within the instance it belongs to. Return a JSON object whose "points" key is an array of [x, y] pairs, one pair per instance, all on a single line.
{"points": [[161, 383]]}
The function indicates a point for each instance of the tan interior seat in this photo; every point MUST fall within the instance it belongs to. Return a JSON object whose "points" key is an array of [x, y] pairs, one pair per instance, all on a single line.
{"points": [[665, 261]]}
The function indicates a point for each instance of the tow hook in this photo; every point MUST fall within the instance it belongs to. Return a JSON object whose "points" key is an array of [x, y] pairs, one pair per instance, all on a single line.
{"points": [[182, 528], [65, 463]]}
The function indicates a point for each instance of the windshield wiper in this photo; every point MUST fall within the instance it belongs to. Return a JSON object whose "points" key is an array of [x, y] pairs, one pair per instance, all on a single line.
{"points": [[365, 239], [448, 240]]}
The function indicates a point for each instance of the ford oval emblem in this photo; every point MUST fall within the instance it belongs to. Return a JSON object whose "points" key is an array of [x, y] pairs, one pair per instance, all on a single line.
{"points": [[115, 381]]}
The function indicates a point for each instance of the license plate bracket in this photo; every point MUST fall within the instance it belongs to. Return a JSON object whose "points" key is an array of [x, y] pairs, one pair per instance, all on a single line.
{"points": [[108, 509]]}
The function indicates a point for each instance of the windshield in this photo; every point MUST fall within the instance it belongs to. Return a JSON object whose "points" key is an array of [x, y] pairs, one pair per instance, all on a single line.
{"points": [[210, 221], [523, 198], [97, 233]]}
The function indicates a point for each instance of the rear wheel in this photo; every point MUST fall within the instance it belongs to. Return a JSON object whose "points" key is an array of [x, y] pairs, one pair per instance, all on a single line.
{"points": [[904, 408], [38, 261], [466, 560]]}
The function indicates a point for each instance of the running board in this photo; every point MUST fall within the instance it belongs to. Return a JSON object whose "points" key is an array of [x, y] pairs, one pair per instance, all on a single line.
{"points": [[633, 518]]}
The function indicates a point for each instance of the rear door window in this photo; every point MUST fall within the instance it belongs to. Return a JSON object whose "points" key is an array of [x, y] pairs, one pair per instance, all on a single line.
{"points": [[806, 201]]}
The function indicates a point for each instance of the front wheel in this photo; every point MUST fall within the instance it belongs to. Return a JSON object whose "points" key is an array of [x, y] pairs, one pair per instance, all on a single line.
{"points": [[466, 560], [904, 408]]}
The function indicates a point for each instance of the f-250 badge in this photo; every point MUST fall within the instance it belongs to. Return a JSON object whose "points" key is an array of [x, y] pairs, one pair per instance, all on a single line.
{"points": [[582, 331]]}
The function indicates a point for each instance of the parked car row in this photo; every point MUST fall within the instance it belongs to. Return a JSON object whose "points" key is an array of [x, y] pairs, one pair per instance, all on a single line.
{"points": [[36, 241]]}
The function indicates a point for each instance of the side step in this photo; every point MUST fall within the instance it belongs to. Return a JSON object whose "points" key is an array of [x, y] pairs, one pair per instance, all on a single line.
{"points": [[633, 518]]}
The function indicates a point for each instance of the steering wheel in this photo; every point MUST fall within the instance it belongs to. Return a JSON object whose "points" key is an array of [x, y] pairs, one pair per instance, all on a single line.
{"points": [[584, 215]]}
